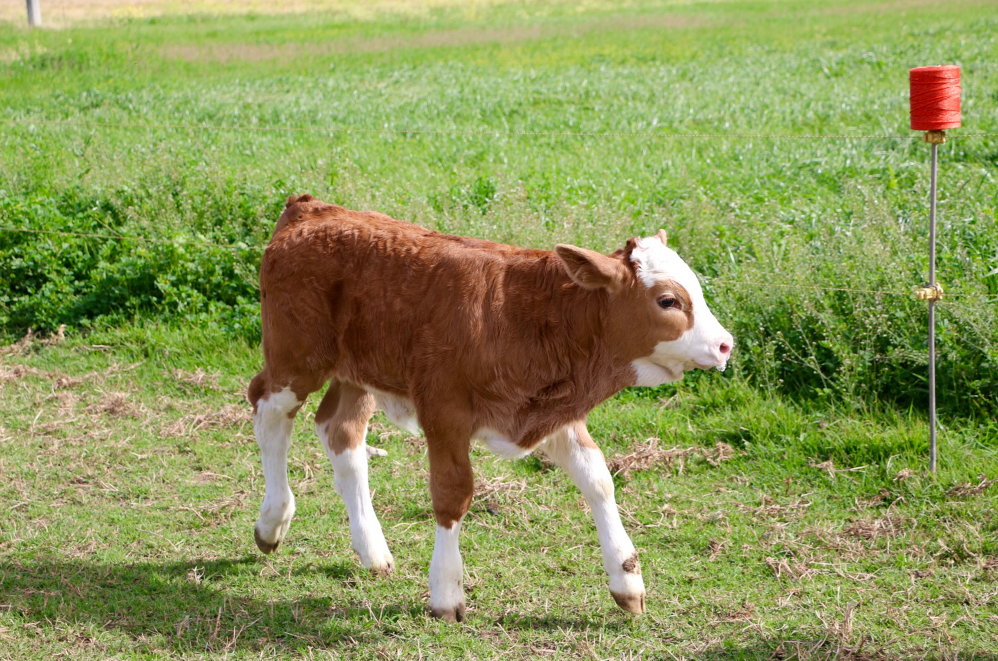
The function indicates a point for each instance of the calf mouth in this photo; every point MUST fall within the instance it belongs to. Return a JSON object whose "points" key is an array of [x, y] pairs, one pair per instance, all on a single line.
{"points": [[711, 365]]}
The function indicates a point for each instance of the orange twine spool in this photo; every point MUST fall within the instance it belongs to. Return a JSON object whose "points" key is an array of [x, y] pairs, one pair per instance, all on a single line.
{"points": [[935, 98]]}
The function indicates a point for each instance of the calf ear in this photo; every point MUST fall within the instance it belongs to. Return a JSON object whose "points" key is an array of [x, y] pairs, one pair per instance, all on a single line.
{"points": [[663, 237], [590, 269]]}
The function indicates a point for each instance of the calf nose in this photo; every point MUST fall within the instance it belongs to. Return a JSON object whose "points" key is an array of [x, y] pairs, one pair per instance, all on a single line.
{"points": [[722, 349]]}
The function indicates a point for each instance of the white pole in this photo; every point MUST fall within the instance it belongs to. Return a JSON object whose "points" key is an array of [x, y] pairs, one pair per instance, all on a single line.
{"points": [[35, 13]]}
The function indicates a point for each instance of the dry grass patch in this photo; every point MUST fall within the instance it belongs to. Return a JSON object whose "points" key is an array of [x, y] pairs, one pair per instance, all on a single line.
{"points": [[116, 405], [746, 612], [229, 416], [111, 403], [63, 381], [833, 472], [881, 496], [650, 456], [485, 487], [198, 378], [791, 568], [965, 489], [18, 372], [889, 525], [15, 372], [221, 510], [26, 343], [67, 403], [382, 430], [715, 548], [769, 508], [208, 477]]}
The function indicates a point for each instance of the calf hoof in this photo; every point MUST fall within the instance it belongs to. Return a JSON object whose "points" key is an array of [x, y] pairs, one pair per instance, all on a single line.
{"points": [[383, 569], [263, 545], [375, 556], [449, 614], [632, 603]]}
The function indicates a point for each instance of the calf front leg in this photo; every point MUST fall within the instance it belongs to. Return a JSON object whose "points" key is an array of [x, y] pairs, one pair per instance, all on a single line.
{"points": [[273, 418], [572, 449], [452, 485], [341, 422]]}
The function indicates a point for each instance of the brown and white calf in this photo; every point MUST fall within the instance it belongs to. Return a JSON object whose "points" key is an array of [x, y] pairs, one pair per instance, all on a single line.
{"points": [[466, 339]]}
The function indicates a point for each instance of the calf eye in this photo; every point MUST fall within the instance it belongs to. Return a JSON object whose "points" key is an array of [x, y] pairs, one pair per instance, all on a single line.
{"points": [[667, 302]]}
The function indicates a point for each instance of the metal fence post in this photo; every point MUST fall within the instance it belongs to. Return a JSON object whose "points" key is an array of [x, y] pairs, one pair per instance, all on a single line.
{"points": [[35, 13]]}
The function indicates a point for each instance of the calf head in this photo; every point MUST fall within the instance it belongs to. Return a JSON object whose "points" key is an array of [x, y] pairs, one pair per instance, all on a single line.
{"points": [[655, 314]]}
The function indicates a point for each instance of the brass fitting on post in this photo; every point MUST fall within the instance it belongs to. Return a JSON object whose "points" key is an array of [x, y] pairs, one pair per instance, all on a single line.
{"points": [[935, 137], [930, 293]]}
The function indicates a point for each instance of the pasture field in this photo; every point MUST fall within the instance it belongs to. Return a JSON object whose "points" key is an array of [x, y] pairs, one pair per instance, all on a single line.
{"points": [[781, 509]]}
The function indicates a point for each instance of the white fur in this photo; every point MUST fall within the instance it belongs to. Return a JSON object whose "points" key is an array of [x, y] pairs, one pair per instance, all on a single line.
{"points": [[399, 410], [655, 261], [351, 482], [587, 468], [447, 570], [499, 444], [273, 434], [650, 374], [698, 347]]}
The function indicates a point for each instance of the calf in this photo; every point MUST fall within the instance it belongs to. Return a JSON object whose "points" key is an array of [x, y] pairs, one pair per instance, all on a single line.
{"points": [[466, 339]]}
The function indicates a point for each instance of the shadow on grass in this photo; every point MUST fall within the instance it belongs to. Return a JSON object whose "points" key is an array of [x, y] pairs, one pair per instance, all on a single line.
{"points": [[190, 606], [554, 623]]}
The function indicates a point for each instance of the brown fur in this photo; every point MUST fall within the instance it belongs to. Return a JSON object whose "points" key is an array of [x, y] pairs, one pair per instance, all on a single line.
{"points": [[347, 409], [477, 334]]}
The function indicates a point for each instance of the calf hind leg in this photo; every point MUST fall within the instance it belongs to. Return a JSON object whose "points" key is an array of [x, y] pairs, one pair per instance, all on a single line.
{"points": [[341, 422], [273, 419]]}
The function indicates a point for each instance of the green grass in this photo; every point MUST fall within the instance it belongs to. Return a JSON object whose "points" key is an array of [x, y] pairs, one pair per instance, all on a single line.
{"points": [[130, 477], [132, 484]]}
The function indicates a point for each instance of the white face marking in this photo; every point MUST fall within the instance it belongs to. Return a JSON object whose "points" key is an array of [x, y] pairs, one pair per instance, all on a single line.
{"points": [[351, 482], [273, 434], [499, 444], [650, 374], [705, 345], [447, 570]]}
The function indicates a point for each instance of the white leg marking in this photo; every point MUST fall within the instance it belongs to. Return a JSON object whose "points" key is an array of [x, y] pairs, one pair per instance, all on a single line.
{"points": [[273, 434], [351, 482], [447, 575], [587, 468]]}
